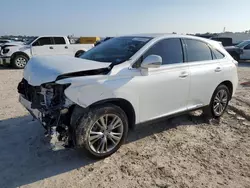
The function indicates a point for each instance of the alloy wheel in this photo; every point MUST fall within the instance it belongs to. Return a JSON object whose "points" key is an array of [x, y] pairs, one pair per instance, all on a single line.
{"points": [[220, 102], [106, 133], [21, 62]]}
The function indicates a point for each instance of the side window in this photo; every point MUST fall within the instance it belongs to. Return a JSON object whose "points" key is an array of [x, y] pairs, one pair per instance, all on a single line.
{"points": [[197, 51], [43, 41], [169, 49], [247, 47], [59, 40], [217, 54]]}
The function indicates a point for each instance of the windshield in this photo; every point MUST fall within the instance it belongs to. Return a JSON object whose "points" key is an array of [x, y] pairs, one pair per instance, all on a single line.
{"points": [[242, 44], [30, 40], [116, 50]]}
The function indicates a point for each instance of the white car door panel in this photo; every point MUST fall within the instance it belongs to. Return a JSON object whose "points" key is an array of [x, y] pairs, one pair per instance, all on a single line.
{"points": [[205, 76], [205, 70], [61, 48], [164, 91], [43, 46]]}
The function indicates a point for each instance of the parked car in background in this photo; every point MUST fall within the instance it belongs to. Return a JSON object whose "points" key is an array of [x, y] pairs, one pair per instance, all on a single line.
{"points": [[102, 40], [18, 55], [240, 51], [93, 100], [226, 41], [4, 41]]}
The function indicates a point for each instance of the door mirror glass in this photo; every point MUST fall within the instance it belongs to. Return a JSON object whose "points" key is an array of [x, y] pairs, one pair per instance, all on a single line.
{"points": [[152, 61]]}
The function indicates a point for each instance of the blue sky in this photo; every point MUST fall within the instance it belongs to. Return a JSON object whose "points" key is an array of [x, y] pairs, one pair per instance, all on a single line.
{"points": [[117, 17]]}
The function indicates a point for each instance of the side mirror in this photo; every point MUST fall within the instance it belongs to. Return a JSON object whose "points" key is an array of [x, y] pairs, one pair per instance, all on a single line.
{"points": [[152, 61]]}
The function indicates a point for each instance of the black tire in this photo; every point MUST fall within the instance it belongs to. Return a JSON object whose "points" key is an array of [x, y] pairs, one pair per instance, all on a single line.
{"points": [[88, 122], [210, 110], [79, 53], [19, 61]]}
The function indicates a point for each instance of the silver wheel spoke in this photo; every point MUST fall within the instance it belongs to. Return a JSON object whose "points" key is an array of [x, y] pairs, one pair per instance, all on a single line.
{"points": [[115, 136], [224, 100], [216, 99], [102, 146], [216, 106], [115, 123], [96, 136], [102, 120], [100, 126], [106, 133]]}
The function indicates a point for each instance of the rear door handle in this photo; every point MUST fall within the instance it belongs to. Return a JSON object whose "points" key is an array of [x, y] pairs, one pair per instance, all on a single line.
{"points": [[183, 75], [51, 47], [218, 69]]}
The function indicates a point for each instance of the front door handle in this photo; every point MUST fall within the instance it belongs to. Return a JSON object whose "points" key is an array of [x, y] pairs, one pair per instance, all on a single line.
{"points": [[51, 47], [66, 47], [183, 75], [218, 69]]}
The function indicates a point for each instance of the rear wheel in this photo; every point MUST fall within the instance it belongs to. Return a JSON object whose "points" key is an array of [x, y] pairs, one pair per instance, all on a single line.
{"points": [[219, 102], [19, 61], [103, 130]]}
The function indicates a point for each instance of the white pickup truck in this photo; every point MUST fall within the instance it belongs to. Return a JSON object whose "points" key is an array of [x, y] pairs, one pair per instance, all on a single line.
{"points": [[18, 55]]}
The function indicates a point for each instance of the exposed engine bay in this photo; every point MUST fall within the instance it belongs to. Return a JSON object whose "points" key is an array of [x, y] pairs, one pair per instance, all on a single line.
{"points": [[53, 107], [48, 104]]}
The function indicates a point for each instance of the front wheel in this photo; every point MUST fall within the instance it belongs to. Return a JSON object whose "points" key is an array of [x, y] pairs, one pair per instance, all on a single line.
{"points": [[103, 130], [19, 61], [219, 102]]}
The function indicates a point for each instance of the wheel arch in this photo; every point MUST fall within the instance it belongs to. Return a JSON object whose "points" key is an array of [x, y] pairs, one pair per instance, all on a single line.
{"points": [[79, 52], [229, 85], [19, 53], [125, 105]]}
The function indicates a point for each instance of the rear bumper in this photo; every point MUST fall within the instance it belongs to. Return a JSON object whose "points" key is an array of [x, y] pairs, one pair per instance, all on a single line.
{"points": [[4, 60]]}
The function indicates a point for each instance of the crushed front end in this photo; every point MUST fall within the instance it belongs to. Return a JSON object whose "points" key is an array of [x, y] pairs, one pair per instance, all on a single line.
{"points": [[49, 105]]}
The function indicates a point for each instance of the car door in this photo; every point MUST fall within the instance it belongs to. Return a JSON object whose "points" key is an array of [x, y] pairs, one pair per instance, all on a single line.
{"points": [[204, 70], [164, 90], [43, 46], [246, 52], [60, 46]]}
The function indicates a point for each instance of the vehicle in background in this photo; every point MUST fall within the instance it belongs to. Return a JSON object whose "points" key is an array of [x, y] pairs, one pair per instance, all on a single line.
{"points": [[18, 55], [240, 51], [100, 41], [226, 41], [4, 41], [125, 81]]}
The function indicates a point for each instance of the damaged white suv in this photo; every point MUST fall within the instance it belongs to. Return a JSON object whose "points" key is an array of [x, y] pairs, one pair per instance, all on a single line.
{"points": [[93, 100]]}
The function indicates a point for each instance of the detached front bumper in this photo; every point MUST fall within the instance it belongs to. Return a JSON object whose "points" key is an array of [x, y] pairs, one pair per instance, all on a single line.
{"points": [[27, 104], [4, 60]]}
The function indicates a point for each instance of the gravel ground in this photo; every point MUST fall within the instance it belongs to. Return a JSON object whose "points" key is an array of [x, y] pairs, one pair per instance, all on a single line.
{"points": [[179, 152]]}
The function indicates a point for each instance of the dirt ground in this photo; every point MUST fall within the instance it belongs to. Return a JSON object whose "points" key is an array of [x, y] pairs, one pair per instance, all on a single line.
{"points": [[179, 152]]}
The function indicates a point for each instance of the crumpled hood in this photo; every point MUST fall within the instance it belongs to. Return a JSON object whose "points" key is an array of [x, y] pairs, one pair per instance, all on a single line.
{"points": [[44, 69]]}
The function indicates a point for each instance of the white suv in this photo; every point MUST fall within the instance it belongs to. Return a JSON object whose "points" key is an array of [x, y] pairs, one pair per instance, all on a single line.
{"points": [[93, 100]]}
